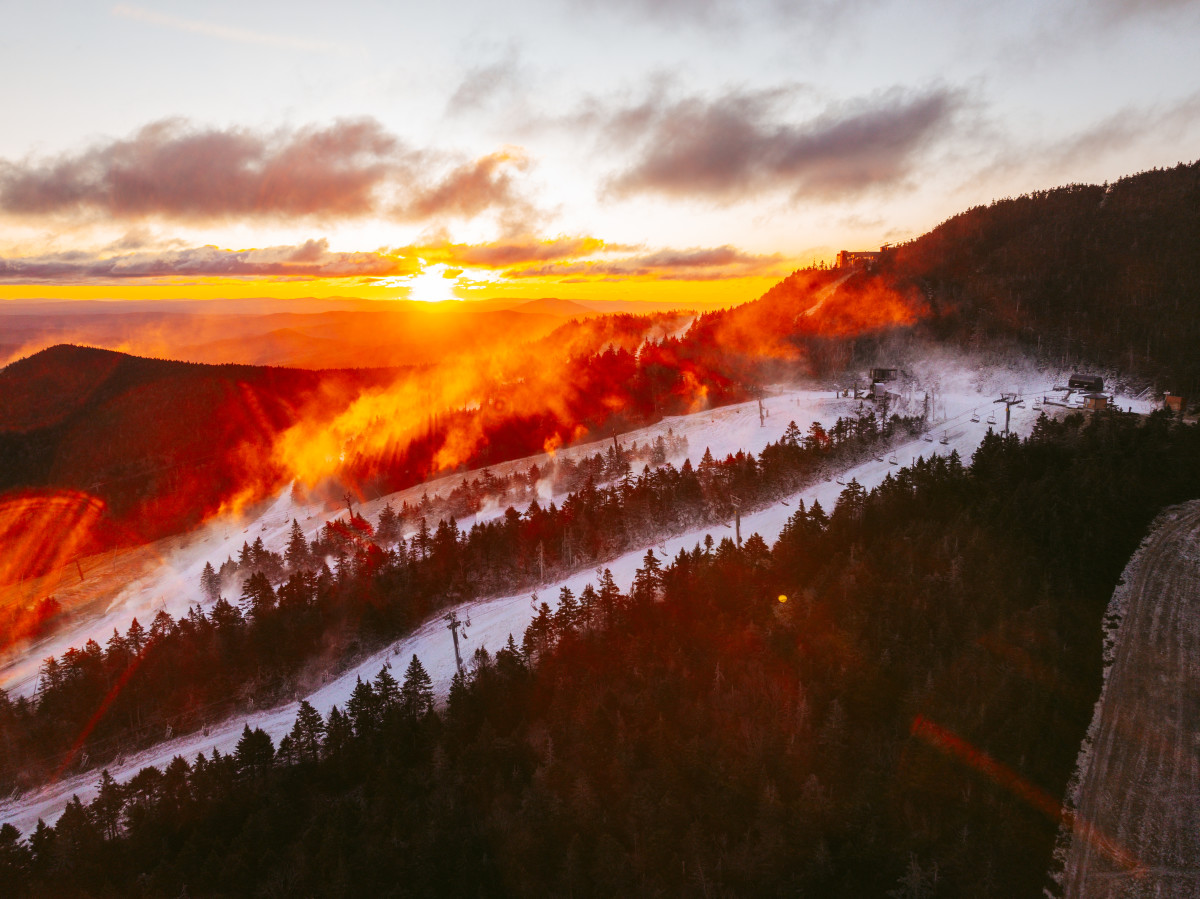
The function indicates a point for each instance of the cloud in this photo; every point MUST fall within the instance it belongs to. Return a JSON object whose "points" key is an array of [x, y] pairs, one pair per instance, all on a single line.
{"points": [[175, 170], [1127, 128], [720, 17], [695, 264], [224, 32], [472, 188], [1093, 151], [506, 253], [740, 144], [1115, 11], [311, 259], [482, 84]]}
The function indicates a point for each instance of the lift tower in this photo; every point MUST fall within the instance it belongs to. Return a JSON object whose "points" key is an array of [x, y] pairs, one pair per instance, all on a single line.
{"points": [[1009, 400], [454, 623]]}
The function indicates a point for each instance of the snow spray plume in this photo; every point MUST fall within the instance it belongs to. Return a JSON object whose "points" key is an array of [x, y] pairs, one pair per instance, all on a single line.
{"points": [[44, 531], [519, 398]]}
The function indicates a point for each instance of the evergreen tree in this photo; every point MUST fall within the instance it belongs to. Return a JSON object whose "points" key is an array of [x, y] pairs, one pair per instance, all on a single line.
{"points": [[258, 598], [254, 752], [297, 553], [363, 708], [539, 636], [791, 435], [416, 693], [210, 582], [135, 638], [258, 554], [161, 627], [566, 616], [387, 691], [648, 579], [339, 732], [307, 733], [225, 616], [389, 526], [106, 808], [588, 607], [16, 860]]}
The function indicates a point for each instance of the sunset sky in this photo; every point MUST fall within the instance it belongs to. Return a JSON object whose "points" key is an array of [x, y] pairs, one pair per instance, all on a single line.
{"points": [[636, 149]]}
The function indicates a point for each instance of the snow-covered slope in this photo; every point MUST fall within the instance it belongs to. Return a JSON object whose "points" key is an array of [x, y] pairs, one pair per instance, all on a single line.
{"points": [[962, 393]]}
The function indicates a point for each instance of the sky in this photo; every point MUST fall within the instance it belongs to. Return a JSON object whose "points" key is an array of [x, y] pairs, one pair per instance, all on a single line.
{"points": [[636, 149]]}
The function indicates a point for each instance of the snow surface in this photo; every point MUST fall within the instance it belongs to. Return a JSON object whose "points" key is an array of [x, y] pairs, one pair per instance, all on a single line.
{"points": [[958, 389]]}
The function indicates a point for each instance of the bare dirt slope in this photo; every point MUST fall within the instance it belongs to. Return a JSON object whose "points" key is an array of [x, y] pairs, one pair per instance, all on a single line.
{"points": [[1137, 830]]}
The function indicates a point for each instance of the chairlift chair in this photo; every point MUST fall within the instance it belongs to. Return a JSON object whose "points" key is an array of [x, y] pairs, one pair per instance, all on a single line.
{"points": [[945, 441], [892, 459], [991, 419], [929, 438], [975, 415]]}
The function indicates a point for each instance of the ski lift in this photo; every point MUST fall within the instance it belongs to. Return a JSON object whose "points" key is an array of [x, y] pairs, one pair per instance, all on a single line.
{"points": [[929, 438], [945, 441], [892, 459], [840, 481], [1037, 404], [975, 415], [991, 419]]}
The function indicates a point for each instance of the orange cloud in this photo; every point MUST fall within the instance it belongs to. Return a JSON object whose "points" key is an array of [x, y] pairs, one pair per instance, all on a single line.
{"points": [[506, 253]]}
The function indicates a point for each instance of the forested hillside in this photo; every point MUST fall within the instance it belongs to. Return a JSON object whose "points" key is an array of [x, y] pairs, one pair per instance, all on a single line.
{"points": [[160, 444], [886, 702], [278, 621], [1092, 274]]}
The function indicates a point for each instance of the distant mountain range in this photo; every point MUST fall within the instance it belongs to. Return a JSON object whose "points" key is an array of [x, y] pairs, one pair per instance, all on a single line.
{"points": [[372, 336], [336, 332]]}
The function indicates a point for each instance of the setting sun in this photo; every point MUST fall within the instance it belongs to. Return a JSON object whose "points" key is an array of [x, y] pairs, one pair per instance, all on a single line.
{"points": [[432, 285]]}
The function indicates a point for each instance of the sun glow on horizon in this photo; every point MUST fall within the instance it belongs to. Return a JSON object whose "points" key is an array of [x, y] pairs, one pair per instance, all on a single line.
{"points": [[433, 285]]}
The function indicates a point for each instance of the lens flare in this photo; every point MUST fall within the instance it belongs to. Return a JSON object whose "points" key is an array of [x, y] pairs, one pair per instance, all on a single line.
{"points": [[956, 747]]}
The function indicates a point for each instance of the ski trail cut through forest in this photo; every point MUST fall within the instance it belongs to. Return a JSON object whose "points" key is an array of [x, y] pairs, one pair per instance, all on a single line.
{"points": [[1137, 825]]}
